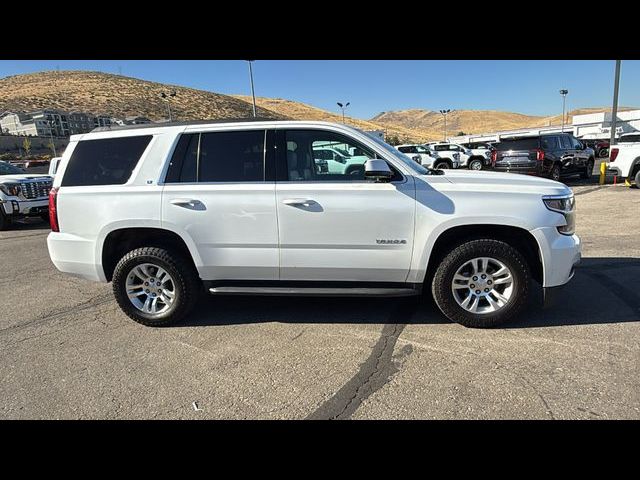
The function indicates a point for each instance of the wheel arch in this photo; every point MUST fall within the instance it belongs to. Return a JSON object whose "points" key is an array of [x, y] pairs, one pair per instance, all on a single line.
{"points": [[120, 241], [518, 237]]}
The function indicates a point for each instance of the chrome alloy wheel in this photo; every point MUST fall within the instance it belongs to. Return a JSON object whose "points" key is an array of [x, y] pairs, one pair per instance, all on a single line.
{"points": [[482, 285], [150, 288]]}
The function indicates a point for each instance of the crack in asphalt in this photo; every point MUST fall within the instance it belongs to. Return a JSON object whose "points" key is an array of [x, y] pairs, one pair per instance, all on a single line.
{"points": [[93, 302], [374, 373]]}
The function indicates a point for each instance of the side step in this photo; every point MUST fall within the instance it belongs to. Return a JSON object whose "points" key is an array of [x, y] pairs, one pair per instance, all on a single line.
{"points": [[317, 291]]}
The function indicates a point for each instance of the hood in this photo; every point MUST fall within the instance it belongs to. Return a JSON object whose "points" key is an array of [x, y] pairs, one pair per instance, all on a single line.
{"points": [[504, 182], [21, 177]]}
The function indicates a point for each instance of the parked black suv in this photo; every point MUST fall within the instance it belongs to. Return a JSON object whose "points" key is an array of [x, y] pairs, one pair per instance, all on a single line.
{"points": [[550, 155]]}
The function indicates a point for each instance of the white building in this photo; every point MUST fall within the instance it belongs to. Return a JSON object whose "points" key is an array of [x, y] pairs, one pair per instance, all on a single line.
{"points": [[589, 126]]}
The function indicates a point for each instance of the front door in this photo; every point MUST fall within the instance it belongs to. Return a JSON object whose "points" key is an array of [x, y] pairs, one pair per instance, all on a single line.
{"points": [[339, 226]]}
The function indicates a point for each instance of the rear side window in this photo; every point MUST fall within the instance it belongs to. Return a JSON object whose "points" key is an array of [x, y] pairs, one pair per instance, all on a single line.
{"points": [[549, 143], [518, 144], [234, 156], [108, 161]]}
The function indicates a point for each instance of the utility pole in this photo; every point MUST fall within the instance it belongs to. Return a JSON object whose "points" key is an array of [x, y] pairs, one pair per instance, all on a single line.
{"points": [[563, 92], [614, 110], [253, 95], [444, 114]]}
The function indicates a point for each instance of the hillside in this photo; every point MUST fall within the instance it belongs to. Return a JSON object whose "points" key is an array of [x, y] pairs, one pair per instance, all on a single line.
{"points": [[116, 95], [302, 111], [468, 121], [426, 122]]}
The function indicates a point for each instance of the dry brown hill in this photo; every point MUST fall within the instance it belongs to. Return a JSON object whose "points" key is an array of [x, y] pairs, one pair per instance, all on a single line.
{"points": [[302, 111], [103, 93]]}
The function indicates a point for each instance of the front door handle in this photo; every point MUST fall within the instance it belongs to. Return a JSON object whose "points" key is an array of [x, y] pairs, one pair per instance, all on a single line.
{"points": [[185, 202], [298, 202]]}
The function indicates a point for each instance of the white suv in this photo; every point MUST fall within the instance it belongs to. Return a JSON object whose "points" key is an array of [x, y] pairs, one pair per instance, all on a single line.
{"points": [[165, 212], [471, 159], [427, 157]]}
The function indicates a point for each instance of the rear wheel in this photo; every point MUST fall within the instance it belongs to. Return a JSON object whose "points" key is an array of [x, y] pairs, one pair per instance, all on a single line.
{"points": [[475, 164], [555, 173], [155, 287], [588, 171], [638, 178], [481, 283], [442, 165], [5, 221]]}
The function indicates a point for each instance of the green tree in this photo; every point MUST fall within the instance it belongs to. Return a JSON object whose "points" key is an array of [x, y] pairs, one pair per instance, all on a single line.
{"points": [[393, 140], [460, 134], [26, 144]]}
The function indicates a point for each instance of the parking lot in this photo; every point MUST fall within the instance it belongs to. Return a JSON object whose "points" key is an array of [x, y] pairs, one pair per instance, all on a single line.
{"points": [[66, 350]]}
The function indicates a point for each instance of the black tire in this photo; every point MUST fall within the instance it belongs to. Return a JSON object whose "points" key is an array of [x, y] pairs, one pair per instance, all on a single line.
{"points": [[45, 217], [588, 171], [442, 165], [555, 173], [637, 179], [476, 164], [604, 153], [187, 284], [5, 221], [505, 253]]}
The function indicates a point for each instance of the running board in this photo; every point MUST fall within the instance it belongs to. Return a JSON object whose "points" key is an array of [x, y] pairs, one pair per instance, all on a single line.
{"points": [[316, 291]]}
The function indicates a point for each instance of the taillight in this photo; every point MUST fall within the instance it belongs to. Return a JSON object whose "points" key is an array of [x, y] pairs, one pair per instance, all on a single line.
{"points": [[539, 154], [494, 157], [53, 209], [614, 154]]}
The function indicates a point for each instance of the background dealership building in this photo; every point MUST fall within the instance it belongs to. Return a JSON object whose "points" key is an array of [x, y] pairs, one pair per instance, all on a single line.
{"points": [[587, 127]]}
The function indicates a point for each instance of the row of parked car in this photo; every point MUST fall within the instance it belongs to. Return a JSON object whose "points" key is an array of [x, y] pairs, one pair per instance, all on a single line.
{"points": [[550, 155]]}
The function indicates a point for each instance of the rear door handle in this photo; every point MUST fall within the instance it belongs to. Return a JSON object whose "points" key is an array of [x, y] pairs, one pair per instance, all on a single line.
{"points": [[185, 202], [298, 202]]}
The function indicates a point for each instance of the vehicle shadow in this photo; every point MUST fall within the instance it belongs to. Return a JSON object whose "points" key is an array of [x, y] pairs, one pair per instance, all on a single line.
{"points": [[598, 294], [25, 224]]}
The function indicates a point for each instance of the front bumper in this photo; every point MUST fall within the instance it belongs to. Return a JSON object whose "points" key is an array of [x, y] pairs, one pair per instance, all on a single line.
{"points": [[15, 207], [560, 255]]}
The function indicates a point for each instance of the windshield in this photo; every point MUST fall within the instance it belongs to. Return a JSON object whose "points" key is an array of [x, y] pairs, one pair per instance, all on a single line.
{"points": [[8, 169], [414, 166]]}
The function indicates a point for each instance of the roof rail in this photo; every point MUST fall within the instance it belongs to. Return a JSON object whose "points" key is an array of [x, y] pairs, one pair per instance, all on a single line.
{"points": [[112, 128]]}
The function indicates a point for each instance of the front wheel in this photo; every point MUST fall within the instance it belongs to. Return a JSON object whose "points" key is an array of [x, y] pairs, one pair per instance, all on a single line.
{"points": [[481, 283], [442, 165], [638, 179], [555, 173], [155, 287], [475, 165]]}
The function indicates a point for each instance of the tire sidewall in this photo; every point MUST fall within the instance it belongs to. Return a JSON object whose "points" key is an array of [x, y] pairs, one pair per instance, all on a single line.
{"points": [[442, 166], [119, 289]]}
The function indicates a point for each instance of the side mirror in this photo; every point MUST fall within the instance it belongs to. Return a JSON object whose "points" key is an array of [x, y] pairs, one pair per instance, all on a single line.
{"points": [[378, 170]]}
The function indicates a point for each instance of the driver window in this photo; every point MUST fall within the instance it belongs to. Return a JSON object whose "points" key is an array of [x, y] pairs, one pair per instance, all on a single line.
{"points": [[316, 155]]}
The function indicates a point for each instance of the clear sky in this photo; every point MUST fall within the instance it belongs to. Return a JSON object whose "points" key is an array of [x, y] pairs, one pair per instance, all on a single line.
{"points": [[373, 86]]}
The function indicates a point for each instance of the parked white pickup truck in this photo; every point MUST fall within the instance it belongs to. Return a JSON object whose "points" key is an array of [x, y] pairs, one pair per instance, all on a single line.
{"points": [[168, 211], [472, 159], [625, 157], [22, 194], [428, 158]]}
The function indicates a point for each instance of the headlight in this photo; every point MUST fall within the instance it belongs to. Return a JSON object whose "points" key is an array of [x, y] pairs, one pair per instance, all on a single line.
{"points": [[11, 189], [566, 205]]}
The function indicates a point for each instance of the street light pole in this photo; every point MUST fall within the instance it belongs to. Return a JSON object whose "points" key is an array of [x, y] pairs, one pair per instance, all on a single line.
{"points": [[253, 95], [614, 109], [53, 145], [444, 114], [343, 107], [166, 96], [563, 92]]}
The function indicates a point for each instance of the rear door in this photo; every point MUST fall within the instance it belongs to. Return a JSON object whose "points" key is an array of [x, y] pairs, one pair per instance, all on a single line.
{"points": [[218, 193], [340, 227]]}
